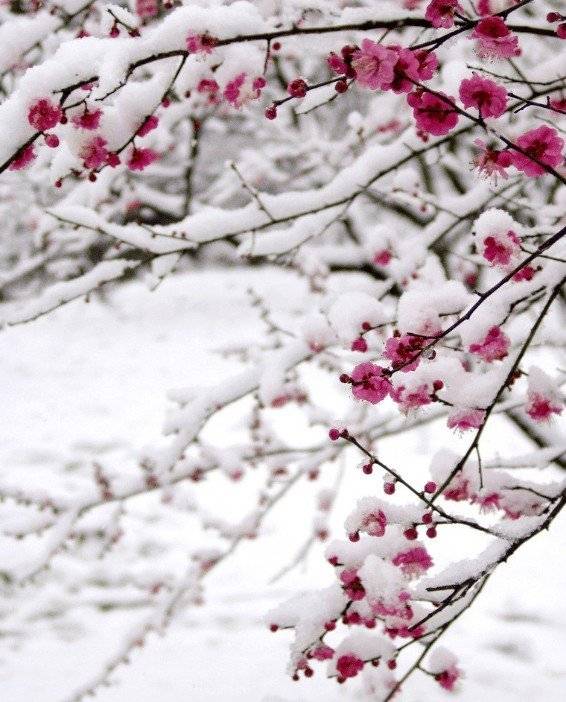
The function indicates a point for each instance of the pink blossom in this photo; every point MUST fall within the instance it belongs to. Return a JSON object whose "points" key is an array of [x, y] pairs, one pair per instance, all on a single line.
{"points": [[401, 351], [448, 678], [433, 114], [458, 490], [412, 399], [490, 7], [44, 115], [413, 562], [541, 407], [501, 247], [494, 346], [559, 104], [200, 43], [94, 152], [209, 87], [491, 162], [374, 64], [440, 13], [323, 653], [141, 158], [336, 63], [147, 8], [488, 502], [489, 98], [382, 258], [352, 585], [524, 273], [542, 144], [349, 665], [464, 419], [369, 383], [428, 63], [148, 125], [405, 71], [494, 40], [359, 344], [374, 524], [242, 89], [87, 120], [23, 158]]}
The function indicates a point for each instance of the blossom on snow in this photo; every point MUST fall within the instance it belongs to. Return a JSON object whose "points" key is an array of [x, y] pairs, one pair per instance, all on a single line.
{"points": [[542, 144], [494, 39], [493, 347], [440, 13], [369, 383], [44, 115], [433, 113], [374, 65], [489, 98]]}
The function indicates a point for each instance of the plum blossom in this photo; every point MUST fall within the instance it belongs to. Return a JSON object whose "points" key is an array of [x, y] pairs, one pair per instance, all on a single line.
{"points": [[458, 489], [87, 120], [241, 89], [200, 43], [374, 523], [440, 13], [405, 71], [146, 9], [323, 653], [44, 115], [525, 273], [491, 162], [493, 347], [210, 88], [428, 63], [149, 124], [374, 65], [500, 248], [542, 144], [541, 408], [24, 157], [349, 665], [465, 419], [382, 257], [490, 7], [369, 383], [352, 585], [402, 350], [433, 114], [489, 98], [141, 158], [443, 665], [411, 399], [94, 152], [494, 40], [413, 562], [543, 398]]}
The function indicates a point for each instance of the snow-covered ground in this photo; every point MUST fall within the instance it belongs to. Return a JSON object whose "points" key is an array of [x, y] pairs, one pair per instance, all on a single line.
{"points": [[88, 383]]}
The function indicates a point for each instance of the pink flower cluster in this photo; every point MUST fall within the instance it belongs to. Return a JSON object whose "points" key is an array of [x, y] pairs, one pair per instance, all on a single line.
{"points": [[440, 13], [434, 113], [369, 383], [500, 248], [390, 67], [242, 89], [413, 562], [541, 147], [494, 347], [541, 407], [494, 40], [489, 98], [44, 115]]}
